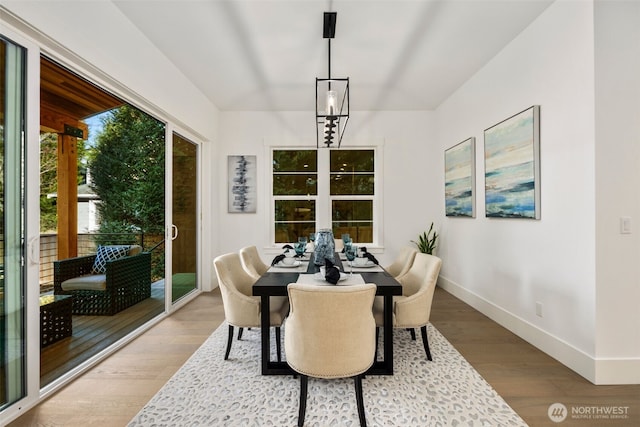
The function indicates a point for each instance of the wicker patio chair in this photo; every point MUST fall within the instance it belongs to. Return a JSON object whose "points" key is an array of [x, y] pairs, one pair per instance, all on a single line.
{"points": [[126, 282]]}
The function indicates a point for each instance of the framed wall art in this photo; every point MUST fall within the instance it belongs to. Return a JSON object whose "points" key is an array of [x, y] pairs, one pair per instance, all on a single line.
{"points": [[242, 184], [512, 166], [459, 179]]}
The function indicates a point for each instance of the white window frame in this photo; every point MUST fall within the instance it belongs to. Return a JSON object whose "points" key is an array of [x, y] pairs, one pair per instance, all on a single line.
{"points": [[273, 198], [323, 198], [371, 197]]}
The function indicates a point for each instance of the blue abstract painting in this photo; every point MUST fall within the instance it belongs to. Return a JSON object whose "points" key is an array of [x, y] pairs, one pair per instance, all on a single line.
{"points": [[511, 157], [459, 179]]}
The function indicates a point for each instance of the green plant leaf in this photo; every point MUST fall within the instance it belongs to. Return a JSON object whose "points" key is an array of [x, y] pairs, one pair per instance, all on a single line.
{"points": [[427, 241]]}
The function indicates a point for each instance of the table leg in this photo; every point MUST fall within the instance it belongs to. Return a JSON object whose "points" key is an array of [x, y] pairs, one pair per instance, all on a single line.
{"points": [[265, 332], [388, 334]]}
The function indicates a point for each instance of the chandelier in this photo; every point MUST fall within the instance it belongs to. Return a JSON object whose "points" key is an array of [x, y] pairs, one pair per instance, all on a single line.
{"points": [[332, 97]]}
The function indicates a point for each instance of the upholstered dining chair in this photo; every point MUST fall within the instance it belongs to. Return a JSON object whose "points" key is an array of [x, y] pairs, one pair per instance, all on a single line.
{"points": [[402, 262], [241, 309], [330, 333], [252, 263], [413, 308]]}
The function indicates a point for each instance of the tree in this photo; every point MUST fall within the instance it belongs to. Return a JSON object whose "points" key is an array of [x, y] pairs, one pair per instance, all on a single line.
{"points": [[127, 171], [49, 178], [48, 182]]}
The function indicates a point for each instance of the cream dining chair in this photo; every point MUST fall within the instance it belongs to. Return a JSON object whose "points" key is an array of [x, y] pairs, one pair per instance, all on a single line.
{"points": [[252, 263], [330, 333], [241, 309], [402, 263], [413, 308]]}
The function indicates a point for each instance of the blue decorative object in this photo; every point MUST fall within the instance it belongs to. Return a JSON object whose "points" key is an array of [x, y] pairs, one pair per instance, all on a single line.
{"points": [[325, 247], [300, 248], [350, 251]]}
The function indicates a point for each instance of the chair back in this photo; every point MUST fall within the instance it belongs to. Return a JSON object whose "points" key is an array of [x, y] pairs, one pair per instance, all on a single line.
{"points": [[403, 262], [240, 309], [418, 286], [252, 263], [330, 331]]}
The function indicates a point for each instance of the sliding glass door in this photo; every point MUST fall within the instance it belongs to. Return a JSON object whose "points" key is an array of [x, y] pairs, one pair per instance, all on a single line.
{"points": [[184, 254], [12, 283]]}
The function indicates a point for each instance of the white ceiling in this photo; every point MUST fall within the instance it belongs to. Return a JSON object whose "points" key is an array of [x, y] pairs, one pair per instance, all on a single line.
{"points": [[265, 54]]}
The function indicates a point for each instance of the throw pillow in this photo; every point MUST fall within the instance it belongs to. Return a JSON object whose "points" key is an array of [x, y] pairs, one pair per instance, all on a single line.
{"points": [[107, 253]]}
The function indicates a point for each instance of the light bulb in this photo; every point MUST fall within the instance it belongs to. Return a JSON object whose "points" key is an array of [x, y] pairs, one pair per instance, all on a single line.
{"points": [[331, 102]]}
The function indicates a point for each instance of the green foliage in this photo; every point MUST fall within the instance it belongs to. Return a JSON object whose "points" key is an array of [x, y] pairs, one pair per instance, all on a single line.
{"points": [[117, 233], [352, 172], [295, 172], [127, 170], [157, 265], [48, 182], [427, 241], [49, 178]]}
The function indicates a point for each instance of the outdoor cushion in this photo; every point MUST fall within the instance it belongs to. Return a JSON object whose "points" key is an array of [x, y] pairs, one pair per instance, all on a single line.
{"points": [[134, 250], [108, 253], [93, 282]]}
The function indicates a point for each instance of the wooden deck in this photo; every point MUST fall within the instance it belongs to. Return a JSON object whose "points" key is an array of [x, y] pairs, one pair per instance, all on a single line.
{"points": [[92, 334]]}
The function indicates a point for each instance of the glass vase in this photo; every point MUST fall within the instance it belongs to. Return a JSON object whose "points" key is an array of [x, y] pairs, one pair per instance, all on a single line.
{"points": [[325, 247]]}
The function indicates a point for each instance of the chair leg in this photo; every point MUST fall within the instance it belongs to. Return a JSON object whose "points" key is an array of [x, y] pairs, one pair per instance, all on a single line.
{"points": [[240, 333], [413, 333], [425, 342], [303, 399], [278, 343], [375, 355], [360, 401], [226, 354]]}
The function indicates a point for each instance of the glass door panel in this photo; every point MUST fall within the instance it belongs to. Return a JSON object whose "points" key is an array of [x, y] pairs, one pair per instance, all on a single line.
{"points": [[185, 217], [12, 283]]}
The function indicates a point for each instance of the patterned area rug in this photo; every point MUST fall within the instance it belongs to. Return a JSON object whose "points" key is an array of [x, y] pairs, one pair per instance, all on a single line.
{"points": [[209, 391]]}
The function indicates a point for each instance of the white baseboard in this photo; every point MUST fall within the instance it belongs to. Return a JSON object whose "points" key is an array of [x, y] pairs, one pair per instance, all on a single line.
{"points": [[617, 371], [598, 371]]}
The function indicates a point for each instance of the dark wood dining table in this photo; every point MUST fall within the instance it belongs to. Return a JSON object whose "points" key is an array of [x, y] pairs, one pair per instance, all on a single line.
{"points": [[275, 284]]}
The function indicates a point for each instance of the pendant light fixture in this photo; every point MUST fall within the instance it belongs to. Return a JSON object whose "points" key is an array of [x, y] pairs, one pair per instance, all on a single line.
{"points": [[332, 97]]}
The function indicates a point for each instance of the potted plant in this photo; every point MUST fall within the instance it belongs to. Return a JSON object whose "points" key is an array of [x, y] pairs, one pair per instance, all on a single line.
{"points": [[427, 241]]}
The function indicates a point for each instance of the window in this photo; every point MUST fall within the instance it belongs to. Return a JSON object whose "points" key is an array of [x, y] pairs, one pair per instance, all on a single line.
{"points": [[351, 192], [314, 188], [295, 191], [13, 338]]}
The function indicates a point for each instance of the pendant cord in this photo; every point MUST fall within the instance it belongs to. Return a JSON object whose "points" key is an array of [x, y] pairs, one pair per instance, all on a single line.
{"points": [[329, 62]]}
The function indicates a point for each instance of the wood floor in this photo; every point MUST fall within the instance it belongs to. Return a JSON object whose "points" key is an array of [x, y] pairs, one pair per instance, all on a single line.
{"points": [[92, 334], [115, 390], [527, 379]]}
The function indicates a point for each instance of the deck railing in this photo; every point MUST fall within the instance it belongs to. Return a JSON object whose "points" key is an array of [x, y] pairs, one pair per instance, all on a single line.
{"points": [[87, 245]]}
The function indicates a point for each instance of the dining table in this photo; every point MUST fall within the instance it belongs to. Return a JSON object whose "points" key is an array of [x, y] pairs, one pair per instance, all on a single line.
{"points": [[275, 281]]}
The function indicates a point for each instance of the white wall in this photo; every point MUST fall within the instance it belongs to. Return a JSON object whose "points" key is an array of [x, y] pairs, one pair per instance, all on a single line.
{"points": [[505, 266], [410, 199], [617, 72]]}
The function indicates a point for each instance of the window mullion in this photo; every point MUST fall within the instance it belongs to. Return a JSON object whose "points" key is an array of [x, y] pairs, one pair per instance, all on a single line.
{"points": [[323, 207]]}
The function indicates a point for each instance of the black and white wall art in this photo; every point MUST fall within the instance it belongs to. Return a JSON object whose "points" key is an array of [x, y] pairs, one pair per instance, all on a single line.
{"points": [[242, 184]]}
